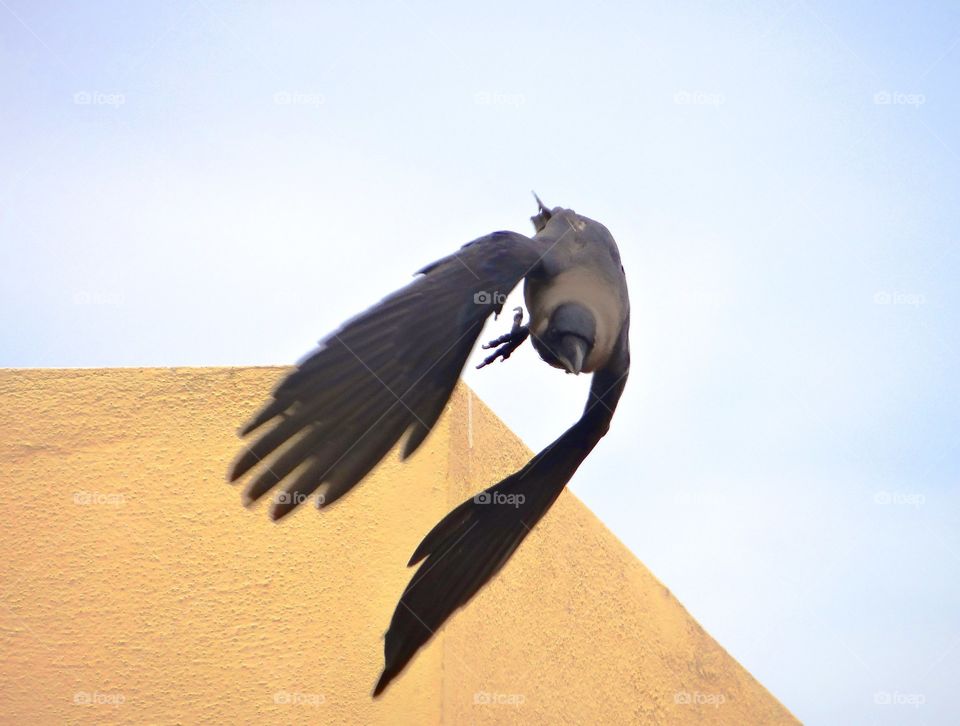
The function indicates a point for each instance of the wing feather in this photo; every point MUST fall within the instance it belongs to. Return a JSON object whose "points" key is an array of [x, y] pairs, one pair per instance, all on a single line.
{"points": [[387, 372], [470, 545]]}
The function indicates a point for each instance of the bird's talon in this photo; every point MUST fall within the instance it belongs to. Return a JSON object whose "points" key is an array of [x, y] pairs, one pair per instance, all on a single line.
{"points": [[507, 343]]}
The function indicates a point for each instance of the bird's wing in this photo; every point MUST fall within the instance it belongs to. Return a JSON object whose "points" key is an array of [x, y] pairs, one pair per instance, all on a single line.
{"points": [[473, 542], [388, 371]]}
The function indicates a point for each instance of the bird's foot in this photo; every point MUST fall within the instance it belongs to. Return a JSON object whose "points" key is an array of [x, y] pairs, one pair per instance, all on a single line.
{"points": [[509, 342]]}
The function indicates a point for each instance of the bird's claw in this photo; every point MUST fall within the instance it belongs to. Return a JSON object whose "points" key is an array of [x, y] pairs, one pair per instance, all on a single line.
{"points": [[509, 342]]}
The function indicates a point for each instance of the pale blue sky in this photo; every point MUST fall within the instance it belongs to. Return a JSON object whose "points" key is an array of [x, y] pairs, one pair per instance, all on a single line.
{"points": [[782, 179]]}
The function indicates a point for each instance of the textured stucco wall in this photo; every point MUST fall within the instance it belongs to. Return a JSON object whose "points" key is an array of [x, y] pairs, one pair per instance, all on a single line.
{"points": [[137, 589]]}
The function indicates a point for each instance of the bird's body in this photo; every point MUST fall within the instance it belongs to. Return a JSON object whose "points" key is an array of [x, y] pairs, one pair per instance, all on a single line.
{"points": [[388, 373], [582, 269]]}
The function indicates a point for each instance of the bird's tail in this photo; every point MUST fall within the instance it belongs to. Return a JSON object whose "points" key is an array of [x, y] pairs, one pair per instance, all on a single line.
{"points": [[468, 546]]}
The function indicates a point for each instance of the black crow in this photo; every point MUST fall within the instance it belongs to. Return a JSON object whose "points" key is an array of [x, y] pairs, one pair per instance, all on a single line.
{"points": [[388, 373]]}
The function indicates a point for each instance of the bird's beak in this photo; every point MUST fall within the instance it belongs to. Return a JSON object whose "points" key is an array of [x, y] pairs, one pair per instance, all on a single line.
{"points": [[572, 352]]}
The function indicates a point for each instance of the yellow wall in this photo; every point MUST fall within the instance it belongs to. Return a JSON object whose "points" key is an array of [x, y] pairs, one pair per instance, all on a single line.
{"points": [[139, 590]]}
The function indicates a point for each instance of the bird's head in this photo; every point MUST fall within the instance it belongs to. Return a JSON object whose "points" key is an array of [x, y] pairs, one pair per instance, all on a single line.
{"points": [[569, 338]]}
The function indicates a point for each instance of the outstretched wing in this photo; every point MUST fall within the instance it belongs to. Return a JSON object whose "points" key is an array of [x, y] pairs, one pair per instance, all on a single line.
{"points": [[472, 543], [388, 371]]}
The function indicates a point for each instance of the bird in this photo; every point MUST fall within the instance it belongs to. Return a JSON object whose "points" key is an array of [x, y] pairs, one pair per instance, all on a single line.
{"points": [[387, 374]]}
